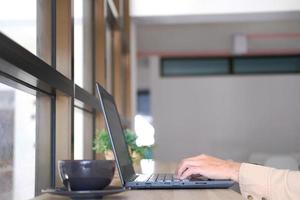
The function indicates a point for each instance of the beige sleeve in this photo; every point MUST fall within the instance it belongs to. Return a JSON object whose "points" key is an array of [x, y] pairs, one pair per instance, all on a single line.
{"points": [[265, 183]]}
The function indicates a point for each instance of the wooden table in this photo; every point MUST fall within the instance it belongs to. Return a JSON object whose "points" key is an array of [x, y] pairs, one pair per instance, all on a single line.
{"points": [[188, 194]]}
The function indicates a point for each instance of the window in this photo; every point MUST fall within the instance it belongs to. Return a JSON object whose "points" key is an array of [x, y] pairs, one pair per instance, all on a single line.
{"points": [[83, 48], [194, 66], [18, 21], [61, 87], [83, 134], [17, 144], [21, 69], [267, 65], [83, 77], [230, 65], [24, 133], [143, 102], [143, 120]]}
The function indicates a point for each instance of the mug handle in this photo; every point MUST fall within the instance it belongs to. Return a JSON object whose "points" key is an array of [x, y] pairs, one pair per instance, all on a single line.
{"points": [[67, 182]]}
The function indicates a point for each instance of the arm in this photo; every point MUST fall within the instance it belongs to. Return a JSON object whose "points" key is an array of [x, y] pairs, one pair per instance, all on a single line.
{"points": [[256, 182], [268, 183]]}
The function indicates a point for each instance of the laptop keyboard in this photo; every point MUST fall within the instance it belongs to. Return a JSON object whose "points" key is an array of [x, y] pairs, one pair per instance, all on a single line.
{"points": [[162, 178], [169, 181]]}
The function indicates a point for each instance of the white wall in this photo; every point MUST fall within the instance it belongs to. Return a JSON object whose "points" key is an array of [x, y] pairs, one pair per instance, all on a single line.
{"points": [[227, 116], [143, 78], [215, 37], [204, 7]]}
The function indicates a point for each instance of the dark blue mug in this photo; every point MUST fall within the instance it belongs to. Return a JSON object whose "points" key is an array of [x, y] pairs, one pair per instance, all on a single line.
{"points": [[79, 175]]}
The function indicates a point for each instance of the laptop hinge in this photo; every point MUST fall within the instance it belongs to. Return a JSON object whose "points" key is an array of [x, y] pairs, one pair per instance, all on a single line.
{"points": [[132, 178]]}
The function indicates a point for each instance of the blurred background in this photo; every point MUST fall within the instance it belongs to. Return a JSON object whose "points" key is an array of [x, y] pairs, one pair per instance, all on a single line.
{"points": [[189, 77], [219, 77]]}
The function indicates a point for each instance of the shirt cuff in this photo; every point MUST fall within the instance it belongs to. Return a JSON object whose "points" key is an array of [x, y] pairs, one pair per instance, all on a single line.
{"points": [[254, 181]]}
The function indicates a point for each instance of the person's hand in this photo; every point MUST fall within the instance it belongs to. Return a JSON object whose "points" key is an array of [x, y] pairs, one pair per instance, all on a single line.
{"points": [[209, 167]]}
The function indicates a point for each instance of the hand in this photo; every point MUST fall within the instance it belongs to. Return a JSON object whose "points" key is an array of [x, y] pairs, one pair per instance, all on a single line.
{"points": [[209, 167]]}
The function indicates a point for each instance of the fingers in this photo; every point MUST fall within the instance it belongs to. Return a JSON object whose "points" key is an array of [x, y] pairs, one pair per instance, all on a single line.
{"points": [[190, 171], [186, 164], [182, 166], [191, 162], [208, 166]]}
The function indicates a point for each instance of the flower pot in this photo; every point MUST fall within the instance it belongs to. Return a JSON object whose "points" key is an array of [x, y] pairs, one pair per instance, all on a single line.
{"points": [[109, 155]]}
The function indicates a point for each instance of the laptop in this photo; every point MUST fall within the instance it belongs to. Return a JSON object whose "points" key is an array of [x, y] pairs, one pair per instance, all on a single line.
{"points": [[129, 178]]}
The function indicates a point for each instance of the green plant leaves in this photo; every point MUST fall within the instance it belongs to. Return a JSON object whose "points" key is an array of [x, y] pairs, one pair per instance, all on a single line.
{"points": [[102, 143]]}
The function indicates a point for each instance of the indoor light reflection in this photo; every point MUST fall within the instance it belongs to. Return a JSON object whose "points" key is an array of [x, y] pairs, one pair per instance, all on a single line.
{"points": [[144, 130]]}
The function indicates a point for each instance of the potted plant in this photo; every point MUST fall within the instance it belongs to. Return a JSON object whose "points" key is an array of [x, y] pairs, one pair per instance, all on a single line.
{"points": [[102, 144]]}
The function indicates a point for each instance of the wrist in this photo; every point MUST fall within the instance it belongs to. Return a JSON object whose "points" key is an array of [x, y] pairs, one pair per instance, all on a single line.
{"points": [[234, 171]]}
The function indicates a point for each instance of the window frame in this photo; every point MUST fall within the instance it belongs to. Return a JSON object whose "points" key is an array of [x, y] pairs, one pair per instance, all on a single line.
{"points": [[26, 68], [52, 74], [21, 69], [231, 66]]}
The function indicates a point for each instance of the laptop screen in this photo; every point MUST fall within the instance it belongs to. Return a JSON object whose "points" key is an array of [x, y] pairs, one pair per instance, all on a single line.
{"points": [[115, 131]]}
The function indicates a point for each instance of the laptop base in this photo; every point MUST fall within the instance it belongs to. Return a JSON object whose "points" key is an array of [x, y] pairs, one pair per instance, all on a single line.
{"points": [[169, 182]]}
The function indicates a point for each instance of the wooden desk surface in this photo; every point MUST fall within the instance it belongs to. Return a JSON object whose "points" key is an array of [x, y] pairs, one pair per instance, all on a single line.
{"points": [[188, 194]]}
